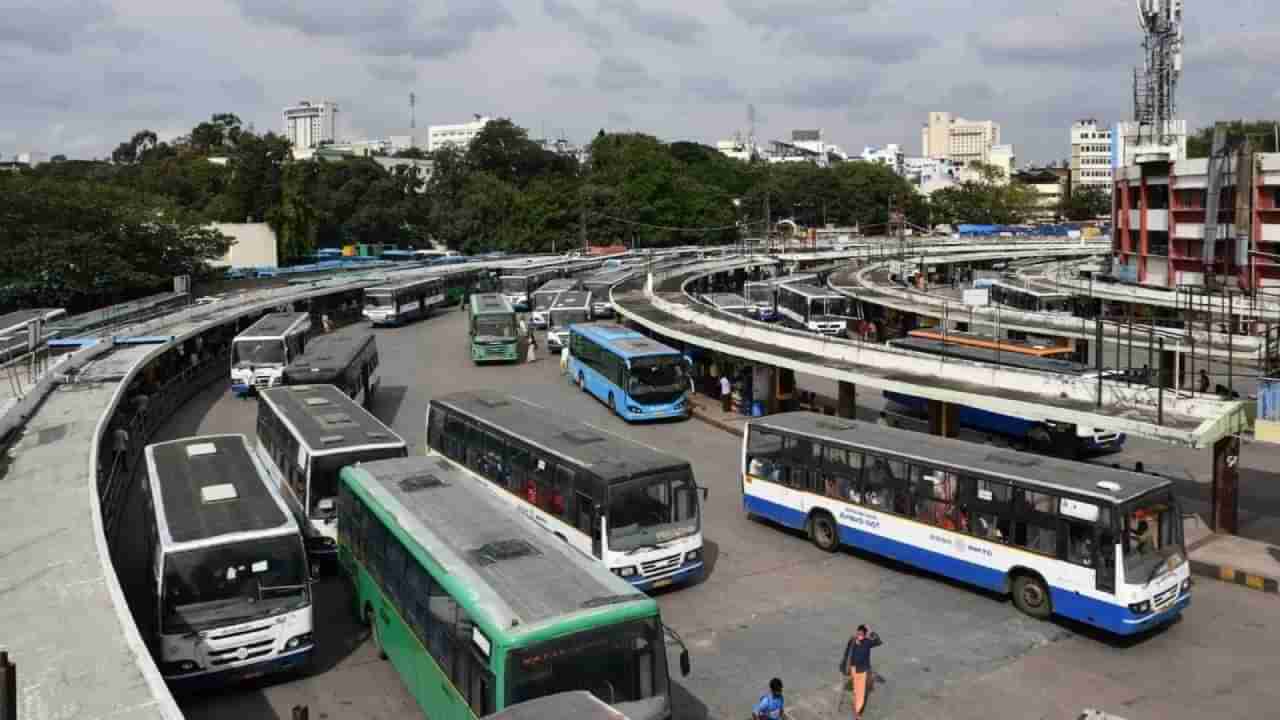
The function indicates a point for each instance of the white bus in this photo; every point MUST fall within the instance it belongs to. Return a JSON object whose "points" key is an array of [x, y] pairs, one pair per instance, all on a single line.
{"points": [[1094, 544], [571, 307], [545, 296], [398, 303], [260, 353], [731, 303], [310, 432], [633, 507], [813, 308], [229, 568], [763, 294]]}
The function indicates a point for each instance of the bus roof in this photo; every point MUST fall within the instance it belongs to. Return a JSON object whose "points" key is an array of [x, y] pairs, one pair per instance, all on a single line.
{"points": [[211, 486], [326, 421], [1031, 469], [1015, 287], [578, 704], [490, 303], [519, 574], [572, 299], [329, 354], [557, 285], [627, 343], [1039, 363], [404, 283], [612, 458], [810, 290], [783, 280], [273, 325]]}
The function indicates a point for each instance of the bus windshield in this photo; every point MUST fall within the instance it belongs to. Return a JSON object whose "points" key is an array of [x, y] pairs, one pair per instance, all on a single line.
{"points": [[622, 665], [830, 306], [324, 476], [1152, 538], [378, 300], [495, 326], [542, 301], [239, 582], [651, 510], [259, 352], [512, 285], [657, 380], [565, 318]]}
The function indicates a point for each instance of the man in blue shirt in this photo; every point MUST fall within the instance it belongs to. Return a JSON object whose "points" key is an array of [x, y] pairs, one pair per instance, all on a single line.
{"points": [[770, 705]]}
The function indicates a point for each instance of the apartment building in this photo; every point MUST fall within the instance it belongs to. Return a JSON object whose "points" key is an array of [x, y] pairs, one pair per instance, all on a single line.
{"points": [[1091, 156]]}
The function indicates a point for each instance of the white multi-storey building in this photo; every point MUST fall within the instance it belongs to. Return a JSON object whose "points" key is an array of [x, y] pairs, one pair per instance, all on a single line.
{"points": [[890, 155], [954, 138], [310, 124], [1091, 161], [459, 135]]}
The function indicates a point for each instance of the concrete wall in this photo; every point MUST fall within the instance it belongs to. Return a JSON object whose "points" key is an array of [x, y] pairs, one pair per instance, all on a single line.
{"points": [[255, 245]]}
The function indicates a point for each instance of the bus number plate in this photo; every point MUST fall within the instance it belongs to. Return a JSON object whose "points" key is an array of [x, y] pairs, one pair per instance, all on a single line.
{"points": [[662, 583]]}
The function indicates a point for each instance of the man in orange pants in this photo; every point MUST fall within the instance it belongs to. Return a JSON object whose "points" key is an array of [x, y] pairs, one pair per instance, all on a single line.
{"points": [[857, 662]]}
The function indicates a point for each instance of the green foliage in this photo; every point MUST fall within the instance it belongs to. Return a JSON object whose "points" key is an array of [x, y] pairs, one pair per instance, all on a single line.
{"points": [[987, 200], [81, 244], [1262, 133], [1085, 203]]}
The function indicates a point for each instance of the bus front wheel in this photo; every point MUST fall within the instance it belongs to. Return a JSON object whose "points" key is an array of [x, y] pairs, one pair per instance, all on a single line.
{"points": [[1040, 440], [1031, 596], [582, 383], [823, 531], [613, 407]]}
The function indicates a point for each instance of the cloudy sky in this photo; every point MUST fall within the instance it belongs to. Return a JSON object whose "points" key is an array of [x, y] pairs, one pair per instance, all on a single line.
{"points": [[79, 76]]}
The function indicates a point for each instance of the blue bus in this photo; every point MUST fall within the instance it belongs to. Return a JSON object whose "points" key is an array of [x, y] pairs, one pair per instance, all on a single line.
{"points": [[636, 376]]}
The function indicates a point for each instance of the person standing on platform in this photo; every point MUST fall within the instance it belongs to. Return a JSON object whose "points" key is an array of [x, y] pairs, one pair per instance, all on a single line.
{"points": [[726, 393]]}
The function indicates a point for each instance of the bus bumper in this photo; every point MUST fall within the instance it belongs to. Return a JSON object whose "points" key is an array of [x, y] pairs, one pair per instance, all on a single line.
{"points": [[288, 662], [686, 573], [1133, 624], [678, 409]]}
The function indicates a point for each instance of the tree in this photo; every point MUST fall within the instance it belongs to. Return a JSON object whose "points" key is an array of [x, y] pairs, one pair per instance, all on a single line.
{"points": [[1085, 203], [412, 153], [1261, 132], [986, 200]]}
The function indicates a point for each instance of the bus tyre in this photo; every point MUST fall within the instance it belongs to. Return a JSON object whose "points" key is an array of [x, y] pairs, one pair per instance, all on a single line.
{"points": [[824, 533], [1040, 440], [1031, 596], [376, 634], [582, 383], [613, 407]]}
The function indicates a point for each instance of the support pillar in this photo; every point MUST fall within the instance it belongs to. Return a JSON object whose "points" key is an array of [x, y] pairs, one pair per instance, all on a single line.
{"points": [[944, 419], [1226, 485], [786, 389], [846, 404]]}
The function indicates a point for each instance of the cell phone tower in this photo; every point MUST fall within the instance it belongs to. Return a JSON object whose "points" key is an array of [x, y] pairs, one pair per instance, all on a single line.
{"points": [[1155, 84]]}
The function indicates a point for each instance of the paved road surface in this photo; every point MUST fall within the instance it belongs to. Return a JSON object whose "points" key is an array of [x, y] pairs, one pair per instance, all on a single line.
{"points": [[775, 605]]}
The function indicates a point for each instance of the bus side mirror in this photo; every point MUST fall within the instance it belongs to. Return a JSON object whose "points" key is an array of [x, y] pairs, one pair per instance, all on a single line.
{"points": [[705, 491], [684, 663]]}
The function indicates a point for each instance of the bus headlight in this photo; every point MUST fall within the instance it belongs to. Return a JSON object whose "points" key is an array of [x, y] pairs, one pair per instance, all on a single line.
{"points": [[1141, 608], [298, 641], [692, 555], [627, 571], [633, 408]]}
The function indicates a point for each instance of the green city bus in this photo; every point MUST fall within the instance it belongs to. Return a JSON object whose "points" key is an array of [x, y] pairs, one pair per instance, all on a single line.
{"points": [[478, 608], [493, 328]]}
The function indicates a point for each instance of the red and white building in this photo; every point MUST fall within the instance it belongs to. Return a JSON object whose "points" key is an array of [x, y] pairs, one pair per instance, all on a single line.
{"points": [[1158, 223]]}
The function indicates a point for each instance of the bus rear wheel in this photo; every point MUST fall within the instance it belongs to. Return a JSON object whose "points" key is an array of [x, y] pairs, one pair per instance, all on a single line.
{"points": [[582, 383], [613, 407], [376, 634], [1031, 596], [1040, 440], [823, 532]]}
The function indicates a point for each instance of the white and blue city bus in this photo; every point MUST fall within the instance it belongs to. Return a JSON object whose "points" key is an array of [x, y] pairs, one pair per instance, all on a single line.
{"points": [[638, 377], [1097, 545]]}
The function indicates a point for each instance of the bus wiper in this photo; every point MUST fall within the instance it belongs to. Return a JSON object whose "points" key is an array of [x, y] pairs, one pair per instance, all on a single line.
{"points": [[638, 548]]}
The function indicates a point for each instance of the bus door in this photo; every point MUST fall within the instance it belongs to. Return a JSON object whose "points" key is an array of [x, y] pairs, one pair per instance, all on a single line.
{"points": [[792, 479], [587, 519]]}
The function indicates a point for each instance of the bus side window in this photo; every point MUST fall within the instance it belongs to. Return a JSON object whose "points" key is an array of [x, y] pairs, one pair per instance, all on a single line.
{"points": [[763, 452], [519, 459], [417, 591], [1079, 540], [474, 444], [375, 548], [1035, 522], [881, 480], [455, 437], [393, 571]]}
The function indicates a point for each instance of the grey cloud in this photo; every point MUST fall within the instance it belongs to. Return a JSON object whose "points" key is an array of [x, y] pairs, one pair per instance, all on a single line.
{"points": [[386, 28], [881, 48], [711, 89], [1094, 41], [778, 14], [60, 26], [393, 73], [673, 27], [617, 74], [569, 15], [825, 94], [617, 118], [564, 81]]}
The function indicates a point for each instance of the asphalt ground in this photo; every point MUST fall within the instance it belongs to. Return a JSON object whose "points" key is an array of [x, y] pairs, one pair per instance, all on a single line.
{"points": [[774, 605]]}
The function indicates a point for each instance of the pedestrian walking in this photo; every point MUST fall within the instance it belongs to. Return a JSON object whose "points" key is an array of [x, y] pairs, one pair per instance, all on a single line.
{"points": [[726, 393], [856, 663], [1204, 380], [564, 359], [771, 705]]}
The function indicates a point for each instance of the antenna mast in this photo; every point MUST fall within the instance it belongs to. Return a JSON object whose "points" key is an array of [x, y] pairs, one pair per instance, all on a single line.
{"points": [[413, 116], [1155, 85]]}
